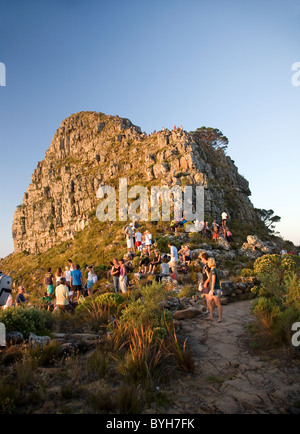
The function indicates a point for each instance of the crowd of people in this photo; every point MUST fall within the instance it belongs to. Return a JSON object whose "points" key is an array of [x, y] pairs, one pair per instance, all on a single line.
{"points": [[168, 265], [213, 231], [63, 289], [67, 286]]}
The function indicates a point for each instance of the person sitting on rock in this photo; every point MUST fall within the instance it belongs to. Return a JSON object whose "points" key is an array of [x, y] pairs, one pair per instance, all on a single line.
{"points": [[144, 261], [155, 262]]}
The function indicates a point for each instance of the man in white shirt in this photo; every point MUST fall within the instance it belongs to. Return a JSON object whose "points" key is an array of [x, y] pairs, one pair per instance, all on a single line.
{"points": [[224, 219], [62, 296], [138, 239]]}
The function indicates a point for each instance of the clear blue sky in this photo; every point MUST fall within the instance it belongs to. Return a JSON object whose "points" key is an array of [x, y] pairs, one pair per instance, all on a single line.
{"points": [[224, 64]]}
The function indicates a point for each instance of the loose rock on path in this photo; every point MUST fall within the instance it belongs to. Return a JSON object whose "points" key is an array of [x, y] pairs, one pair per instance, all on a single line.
{"points": [[229, 378]]}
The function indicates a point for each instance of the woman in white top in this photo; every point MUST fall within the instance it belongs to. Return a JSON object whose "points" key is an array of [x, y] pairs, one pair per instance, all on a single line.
{"points": [[148, 241], [58, 276]]}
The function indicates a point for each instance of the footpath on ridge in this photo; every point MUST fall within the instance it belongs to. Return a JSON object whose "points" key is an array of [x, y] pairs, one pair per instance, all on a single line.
{"points": [[229, 378]]}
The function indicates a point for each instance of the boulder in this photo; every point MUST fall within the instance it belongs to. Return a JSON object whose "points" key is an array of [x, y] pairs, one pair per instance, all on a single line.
{"points": [[14, 338], [224, 244], [191, 312], [40, 341]]}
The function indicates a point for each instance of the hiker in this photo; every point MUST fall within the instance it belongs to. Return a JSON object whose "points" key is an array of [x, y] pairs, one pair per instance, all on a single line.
{"points": [[229, 236], [164, 268], [58, 275], [174, 259], [71, 265], [20, 299], [204, 285], [144, 261], [48, 281], [129, 237], [62, 297], [138, 239], [215, 235], [156, 261], [90, 279], [187, 255], [46, 301], [76, 281], [148, 241], [214, 291], [67, 275], [224, 219], [115, 274], [123, 276]]}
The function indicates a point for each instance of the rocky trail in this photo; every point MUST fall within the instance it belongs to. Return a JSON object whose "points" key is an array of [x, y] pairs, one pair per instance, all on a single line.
{"points": [[229, 378]]}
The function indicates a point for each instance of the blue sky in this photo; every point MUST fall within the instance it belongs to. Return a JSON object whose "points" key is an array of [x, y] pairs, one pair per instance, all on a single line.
{"points": [[223, 64]]}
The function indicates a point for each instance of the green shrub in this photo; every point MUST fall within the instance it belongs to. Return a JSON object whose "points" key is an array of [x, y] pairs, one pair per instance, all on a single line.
{"points": [[267, 264], [26, 320]]}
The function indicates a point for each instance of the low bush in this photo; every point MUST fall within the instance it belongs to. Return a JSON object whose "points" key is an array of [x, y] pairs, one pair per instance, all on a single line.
{"points": [[26, 320]]}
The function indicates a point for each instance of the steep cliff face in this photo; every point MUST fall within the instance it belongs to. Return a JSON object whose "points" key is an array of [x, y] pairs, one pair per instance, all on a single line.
{"points": [[92, 149]]}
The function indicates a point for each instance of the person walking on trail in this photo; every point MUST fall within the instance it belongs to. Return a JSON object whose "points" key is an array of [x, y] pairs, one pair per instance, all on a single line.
{"points": [[204, 285], [215, 291], [224, 219]]}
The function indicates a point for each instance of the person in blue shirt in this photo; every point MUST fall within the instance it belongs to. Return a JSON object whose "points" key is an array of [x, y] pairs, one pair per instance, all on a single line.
{"points": [[20, 299], [76, 281]]}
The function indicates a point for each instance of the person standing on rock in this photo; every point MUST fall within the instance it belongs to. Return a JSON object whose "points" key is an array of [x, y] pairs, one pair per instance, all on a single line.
{"points": [[224, 219], [215, 291]]}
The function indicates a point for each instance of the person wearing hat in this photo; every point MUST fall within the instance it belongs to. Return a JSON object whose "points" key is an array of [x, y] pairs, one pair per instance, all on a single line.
{"points": [[20, 299], [156, 261]]}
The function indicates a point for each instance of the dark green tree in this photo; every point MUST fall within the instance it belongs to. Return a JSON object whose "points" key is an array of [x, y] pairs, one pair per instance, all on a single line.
{"points": [[211, 136], [268, 217]]}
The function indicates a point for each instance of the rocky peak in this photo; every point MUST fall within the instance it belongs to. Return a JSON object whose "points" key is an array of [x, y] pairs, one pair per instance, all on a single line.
{"points": [[91, 149]]}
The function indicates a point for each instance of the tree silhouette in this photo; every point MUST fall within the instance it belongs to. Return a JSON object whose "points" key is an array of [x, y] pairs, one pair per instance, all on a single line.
{"points": [[268, 218], [211, 136]]}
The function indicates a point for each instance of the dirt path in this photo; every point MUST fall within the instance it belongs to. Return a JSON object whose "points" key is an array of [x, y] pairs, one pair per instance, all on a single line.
{"points": [[229, 378]]}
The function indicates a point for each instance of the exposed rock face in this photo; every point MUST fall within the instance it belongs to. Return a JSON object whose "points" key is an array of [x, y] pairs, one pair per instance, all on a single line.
{"points": [[92, 149]]}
